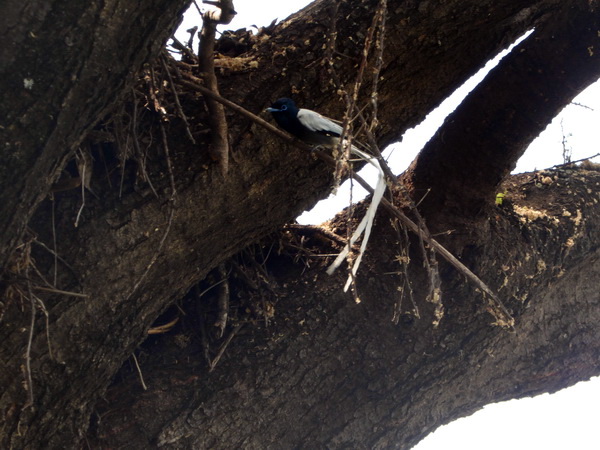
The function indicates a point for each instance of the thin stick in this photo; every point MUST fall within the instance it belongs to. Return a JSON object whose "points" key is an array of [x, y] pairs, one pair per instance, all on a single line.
{"points": [[573, 162], [137, 366], [57, 256], [223, 301], [29, 344], [195, 83], [204, 341], [179, 46], [449, 257], [164, 328], [223, 347], [315, 229], [176, 97], [136, 144], [82, 175], [55, 269], [60, 291], [45, 311], [219, 146], [169, 165]]}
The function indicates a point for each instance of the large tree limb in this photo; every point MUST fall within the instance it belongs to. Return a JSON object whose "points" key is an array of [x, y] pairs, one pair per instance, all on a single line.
{"points": [[328, 372], [479, 144]]}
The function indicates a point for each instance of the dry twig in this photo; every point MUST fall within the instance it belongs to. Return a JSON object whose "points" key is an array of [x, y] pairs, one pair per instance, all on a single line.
{"points": [[29, 344], [139, 371], [223, 301], [176, 97], [219, 147], [172, 197], [223, 347]]}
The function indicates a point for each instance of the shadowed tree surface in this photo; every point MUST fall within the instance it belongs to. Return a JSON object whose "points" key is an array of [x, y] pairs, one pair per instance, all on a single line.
{"points": [[298, 363]]}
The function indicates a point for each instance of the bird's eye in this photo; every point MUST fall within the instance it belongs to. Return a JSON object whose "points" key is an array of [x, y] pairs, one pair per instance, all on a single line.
{"points": [[283, 107]]}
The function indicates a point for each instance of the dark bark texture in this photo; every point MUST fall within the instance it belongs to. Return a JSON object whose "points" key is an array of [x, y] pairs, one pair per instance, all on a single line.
{"points": [[328, 373], [62, 66], [304, 366]]}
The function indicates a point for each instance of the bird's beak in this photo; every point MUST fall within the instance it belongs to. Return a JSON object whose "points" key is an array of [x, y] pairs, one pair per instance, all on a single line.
{"points": [[272, 110]]}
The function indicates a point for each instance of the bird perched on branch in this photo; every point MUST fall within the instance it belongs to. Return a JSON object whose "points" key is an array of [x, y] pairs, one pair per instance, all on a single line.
{"points": [[314, 129]]}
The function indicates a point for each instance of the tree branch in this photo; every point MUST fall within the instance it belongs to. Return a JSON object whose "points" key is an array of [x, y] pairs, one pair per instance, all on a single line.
{"points": [[498, 120], [219, 148]]}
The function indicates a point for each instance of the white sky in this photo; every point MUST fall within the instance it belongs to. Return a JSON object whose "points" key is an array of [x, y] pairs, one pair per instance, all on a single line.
{"points": [[569, 419]]}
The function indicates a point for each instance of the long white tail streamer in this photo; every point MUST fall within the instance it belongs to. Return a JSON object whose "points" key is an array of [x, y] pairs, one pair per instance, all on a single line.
{"points": [[366, 224]]}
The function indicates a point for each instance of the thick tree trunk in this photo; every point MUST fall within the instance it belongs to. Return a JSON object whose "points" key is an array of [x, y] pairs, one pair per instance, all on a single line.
{"points": [[133, 254]]}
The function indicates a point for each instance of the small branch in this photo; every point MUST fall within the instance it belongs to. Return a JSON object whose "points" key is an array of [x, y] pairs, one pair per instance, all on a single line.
{"points": [[403, 259], [582, 105], [139, 371], [195, 83], [204, 341], [60, 291], [379, 44], [57, 257], [85, 170], [223, 15], [136, 145], [177, 44], [53, 219], [223, 301], [176, 97], [192, 31], [47, 316], [29, 344], [210, 287], [197, 7], [170, 219], [573, 162], [161, 329], [314, 229], [223, 347], [165, 142], [219, 147]]}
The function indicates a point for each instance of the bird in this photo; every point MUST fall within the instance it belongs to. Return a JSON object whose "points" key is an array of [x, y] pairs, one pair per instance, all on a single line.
{"points": [[314, 129]]}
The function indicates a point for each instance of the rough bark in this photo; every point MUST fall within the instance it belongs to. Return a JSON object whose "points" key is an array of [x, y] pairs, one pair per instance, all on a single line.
{"points": [[328, 373], [62, 66], [113, 257], [474, 135]]}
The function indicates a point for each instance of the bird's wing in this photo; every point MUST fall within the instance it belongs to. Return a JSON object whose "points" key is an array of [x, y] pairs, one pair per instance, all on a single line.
{"points": [[316, 122]]}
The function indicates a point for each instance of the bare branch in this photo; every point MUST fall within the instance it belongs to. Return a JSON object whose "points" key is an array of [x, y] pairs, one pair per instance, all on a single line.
{"points": [[223, 301], [219, 147]]}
